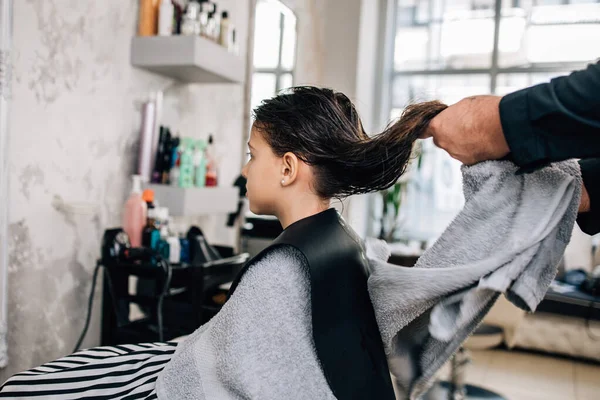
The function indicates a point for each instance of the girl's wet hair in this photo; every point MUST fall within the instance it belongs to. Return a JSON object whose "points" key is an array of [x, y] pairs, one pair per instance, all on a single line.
{"points": [[322, 128]]}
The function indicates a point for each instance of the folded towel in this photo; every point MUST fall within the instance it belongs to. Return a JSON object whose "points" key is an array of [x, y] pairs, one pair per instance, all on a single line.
{"points": [[508, 239]]}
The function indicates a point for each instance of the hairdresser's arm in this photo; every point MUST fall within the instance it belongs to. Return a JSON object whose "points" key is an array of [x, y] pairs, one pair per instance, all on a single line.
{"points": [[544, 123], [589, 217]]}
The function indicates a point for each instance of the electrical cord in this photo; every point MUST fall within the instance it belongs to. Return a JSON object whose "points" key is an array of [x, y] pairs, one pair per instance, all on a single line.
{"points": [[89, 311], [168, 271], [159, 311]]}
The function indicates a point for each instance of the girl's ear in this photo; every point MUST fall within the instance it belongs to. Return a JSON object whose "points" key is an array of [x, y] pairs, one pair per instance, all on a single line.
{"points": [[289, 168]]}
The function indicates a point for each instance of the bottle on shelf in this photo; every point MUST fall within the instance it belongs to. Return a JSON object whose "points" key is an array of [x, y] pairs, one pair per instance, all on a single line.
{"points": [[200, 164], [150, 233], [174, 249], [159, 157], [175, 160], [148, 18], [135, 213], [148, 197], [211, 164], [162, 246], [190, 24], [178, 12], [186, 166], [166, 16], [224, 31], [214, 24], [167, 158], [207, 8]]}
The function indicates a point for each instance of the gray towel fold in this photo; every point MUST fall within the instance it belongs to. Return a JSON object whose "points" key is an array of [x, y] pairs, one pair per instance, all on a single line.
{"points": [[508, 239]]}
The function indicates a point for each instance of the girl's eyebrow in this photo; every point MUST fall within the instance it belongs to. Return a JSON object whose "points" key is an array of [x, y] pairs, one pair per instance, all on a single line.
{"points": [[249, 145]]}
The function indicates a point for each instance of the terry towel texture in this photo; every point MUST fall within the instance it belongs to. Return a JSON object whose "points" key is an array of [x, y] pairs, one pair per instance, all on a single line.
{"points": [[508, 239]]}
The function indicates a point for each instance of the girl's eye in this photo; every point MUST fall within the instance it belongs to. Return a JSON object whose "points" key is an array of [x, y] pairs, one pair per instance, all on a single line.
{"points": [[249, 155]]}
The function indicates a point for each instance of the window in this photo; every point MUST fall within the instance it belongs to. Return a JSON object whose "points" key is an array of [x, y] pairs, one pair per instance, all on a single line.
{"points": [[274, 50], [451, 49]]}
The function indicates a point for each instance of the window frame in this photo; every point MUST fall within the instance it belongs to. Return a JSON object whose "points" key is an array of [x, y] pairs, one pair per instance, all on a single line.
{"points": [[390, 74], [384, 95], [279, 70]]}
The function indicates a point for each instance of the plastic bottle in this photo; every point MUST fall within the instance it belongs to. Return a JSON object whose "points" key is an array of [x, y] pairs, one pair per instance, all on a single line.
{"points": [[150, 233], [211, 164], [148, 18], [163, 222], [174, 174], [165, 18], [134, 213], [200, 162], [186, 166], [148, 197], [174, 249], [224, 32], [190, 25]]}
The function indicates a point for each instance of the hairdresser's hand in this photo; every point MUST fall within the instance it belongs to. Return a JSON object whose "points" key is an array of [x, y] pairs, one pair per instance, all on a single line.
{"points": [[470, 130], [584, 204]]}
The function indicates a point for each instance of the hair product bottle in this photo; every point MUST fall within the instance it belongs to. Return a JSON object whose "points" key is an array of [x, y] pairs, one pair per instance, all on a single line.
{"points": [[165, 18], [186, 165], [134, 213], [224, 32], [150, 233], [190, 25], [211, 164], [146, 140], [200, 163], [148, 18]]}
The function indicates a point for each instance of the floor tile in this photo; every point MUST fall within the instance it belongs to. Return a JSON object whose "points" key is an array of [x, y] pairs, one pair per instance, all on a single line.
{"points": [[532, 374], [587, 381]]}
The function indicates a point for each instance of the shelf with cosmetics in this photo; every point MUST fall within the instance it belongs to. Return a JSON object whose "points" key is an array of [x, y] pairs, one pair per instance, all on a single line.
{"points": [[193, 41], [196, 201], [192, 59]]}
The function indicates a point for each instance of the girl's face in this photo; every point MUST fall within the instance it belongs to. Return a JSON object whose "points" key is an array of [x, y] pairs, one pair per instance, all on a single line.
{"points": [[264, 172]]}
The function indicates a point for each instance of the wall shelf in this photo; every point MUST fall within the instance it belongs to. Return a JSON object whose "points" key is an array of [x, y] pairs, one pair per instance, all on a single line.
{"points": [[191, 59], [196, 201]]}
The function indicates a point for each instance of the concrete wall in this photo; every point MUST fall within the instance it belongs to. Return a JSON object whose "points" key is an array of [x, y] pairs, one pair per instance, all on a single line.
{"points": [[338, 48], [73, 133]]}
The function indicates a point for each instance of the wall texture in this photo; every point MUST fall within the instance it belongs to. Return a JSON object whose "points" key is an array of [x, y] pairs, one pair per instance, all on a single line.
{"points": [[73, 133]]}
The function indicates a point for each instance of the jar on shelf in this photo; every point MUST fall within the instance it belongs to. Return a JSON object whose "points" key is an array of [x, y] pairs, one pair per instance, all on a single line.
{"points": [[190, 25]]}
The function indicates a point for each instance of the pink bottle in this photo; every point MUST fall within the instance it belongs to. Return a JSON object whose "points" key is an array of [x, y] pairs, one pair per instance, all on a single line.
{"points": [[134, 213]]}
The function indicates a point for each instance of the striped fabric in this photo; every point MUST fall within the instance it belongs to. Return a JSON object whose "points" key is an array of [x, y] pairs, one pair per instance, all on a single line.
{"points": [[126, 371]]}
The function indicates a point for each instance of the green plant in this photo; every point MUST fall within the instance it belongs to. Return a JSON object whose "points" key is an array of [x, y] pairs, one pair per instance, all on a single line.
{"points": [[392, 200]]}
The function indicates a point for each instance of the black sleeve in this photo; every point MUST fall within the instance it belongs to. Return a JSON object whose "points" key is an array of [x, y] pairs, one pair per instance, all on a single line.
{"points": [[590, 170], [554, 121]]}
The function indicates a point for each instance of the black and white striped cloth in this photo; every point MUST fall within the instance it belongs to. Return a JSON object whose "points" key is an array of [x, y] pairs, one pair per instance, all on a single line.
{"points": [[126, 371]]}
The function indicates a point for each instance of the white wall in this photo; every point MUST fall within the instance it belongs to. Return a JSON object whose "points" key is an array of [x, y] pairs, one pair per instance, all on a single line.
{"points": [[337, 48], [73, 133]]}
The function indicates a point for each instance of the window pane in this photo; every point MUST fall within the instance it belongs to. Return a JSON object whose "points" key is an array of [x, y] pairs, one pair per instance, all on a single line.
{"points": [[508, 83], [446, 88], [432, 34], [266, 35], [285, 81], [549, 33], [263, 87], [288, 50], [434, 193]]}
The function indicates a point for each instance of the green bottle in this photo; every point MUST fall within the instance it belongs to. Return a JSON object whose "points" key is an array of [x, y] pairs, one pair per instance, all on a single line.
{"points": [[200, 163], [186, 166]]}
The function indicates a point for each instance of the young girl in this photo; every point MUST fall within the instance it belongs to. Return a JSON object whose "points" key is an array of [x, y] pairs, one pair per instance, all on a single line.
{"points": [[299, 323]]}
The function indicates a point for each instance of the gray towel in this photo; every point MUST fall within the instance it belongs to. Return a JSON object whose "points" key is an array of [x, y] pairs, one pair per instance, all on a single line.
{"points": [[259, 346], [508, 239]]}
